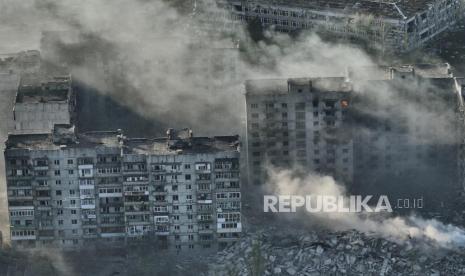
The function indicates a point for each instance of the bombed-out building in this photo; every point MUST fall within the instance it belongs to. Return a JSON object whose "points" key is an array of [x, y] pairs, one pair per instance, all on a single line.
{"points": [[398, 26], [391, 129], [70, 189]]}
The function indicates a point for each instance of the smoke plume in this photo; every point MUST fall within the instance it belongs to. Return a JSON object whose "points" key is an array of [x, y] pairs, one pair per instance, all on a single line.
{"points": [[398, 229]]}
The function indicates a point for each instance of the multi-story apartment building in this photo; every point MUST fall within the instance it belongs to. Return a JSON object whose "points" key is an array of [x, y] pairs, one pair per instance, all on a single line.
{"points": [[69, 190], [299, 122], [43, 102], [387, 25], [391, 129]]}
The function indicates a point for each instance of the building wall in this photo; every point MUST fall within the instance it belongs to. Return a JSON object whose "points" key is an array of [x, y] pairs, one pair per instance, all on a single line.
{"points": [[40, 117]]}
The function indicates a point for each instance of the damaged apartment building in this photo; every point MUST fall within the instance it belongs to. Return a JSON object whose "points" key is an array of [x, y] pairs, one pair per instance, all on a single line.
{"points": [[394, 130], [70, 189], [391, 25]]}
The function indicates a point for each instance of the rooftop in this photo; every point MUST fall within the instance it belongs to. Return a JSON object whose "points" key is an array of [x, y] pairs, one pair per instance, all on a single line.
{"points": [[395, 9], [427, 71], [281, 86], [437, 74], [37, 89], [157, 146]]}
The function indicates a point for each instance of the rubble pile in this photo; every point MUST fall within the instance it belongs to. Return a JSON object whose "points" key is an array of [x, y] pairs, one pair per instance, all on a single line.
{"points": [[340, 253]]}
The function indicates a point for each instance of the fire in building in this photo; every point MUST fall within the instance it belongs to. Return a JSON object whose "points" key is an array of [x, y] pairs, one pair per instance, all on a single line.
{"points": [[70, 189], [398, 26], [392, 129]]}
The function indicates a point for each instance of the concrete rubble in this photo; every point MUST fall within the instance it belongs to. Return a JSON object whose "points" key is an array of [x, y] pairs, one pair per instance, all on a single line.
{"points": [[339, 253]]}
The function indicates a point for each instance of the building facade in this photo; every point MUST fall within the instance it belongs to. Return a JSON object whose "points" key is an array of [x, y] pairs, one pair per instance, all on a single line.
{"points": [[299, 122], [398, 26], [71, 190]]}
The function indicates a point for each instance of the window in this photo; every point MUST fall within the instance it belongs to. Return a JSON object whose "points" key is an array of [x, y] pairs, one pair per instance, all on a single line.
{"points": [[72, 192], [58, 192], [254, 105], [70, 172], [174, 188], [60, 222], [74, 221], [300, 106], [175, 197], [56, 162], [73, 212], [175, 207], [57, 172], [70, 161], [188, 186], [187, 177], [189, 207], [190, 216], [187, 166], [58, 182]]}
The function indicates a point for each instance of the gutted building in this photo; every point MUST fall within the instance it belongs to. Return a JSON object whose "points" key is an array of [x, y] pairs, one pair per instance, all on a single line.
{"points": [[398, 26], [71, 190]]}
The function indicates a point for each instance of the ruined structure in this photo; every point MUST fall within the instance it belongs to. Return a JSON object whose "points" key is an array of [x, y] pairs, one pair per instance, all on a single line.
{"points": [[42, 102], [398, 26]]}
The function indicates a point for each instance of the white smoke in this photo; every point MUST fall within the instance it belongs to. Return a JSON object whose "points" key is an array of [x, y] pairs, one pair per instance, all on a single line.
{"points": [[395, 228]]}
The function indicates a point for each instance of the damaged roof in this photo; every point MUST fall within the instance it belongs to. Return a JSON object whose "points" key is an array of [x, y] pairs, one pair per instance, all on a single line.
{"points": [[37, 89], [395, 9]]}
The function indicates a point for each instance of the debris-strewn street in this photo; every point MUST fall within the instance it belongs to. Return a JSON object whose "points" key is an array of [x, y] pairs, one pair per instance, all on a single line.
{"points": [[340, 253]]}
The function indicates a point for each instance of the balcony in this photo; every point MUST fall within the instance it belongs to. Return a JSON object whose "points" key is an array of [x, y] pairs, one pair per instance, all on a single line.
{"points": [[112, 235], [104, 195], [87, 206], [205, 231], [41, 168]]}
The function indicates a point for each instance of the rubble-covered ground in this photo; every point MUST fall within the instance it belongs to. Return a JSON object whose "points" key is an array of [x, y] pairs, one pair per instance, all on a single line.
{"points": [[339, 253]]}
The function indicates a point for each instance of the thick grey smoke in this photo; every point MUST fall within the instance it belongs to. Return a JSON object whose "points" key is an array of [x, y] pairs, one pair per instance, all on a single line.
{"points": [[161, 64], [397, 229]]}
